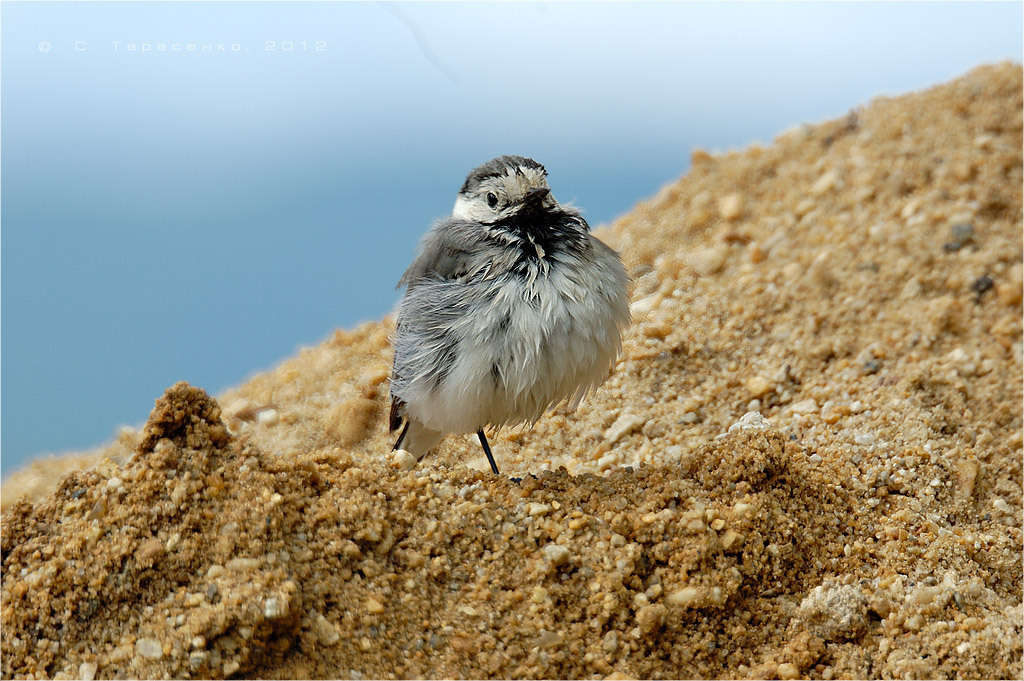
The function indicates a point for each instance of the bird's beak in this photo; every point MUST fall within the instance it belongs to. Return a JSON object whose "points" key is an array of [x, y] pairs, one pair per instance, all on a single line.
{"points": [[536, 195]]}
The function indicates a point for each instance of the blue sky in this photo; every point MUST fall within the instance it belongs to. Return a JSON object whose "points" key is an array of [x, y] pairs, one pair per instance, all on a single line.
{"points": [[172, 214]]}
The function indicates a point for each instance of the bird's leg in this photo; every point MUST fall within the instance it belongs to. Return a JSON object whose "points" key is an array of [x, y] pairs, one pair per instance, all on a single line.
{"points": [[487, 450]]}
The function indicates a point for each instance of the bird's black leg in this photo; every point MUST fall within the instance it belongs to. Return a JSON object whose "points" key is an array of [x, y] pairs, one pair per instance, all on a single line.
{"points": [[398, 442], [487, 450]]}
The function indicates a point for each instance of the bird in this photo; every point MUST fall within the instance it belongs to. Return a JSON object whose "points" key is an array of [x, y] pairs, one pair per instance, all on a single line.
{"points": [[511, 308]]}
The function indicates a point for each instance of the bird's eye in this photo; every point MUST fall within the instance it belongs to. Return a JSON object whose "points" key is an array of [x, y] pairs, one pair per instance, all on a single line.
{"points": [[492, 200]]}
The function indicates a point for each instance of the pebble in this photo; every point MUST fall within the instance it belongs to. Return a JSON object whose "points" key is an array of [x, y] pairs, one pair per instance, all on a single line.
{"points": [[644, 305], [788, 670], [87, 671], [149, 648], [650, 617], [961, 234], [240, 565], [730, 206], [685, 597], [732, 541], [808, 406], [269, 417], [535, 509], [326, 633], [834, 612], [403, 460], [759, 386], [273, 608], [557, 554], [752, 420], [197, 659], [373, 606], [824, 183], [626, 423]]}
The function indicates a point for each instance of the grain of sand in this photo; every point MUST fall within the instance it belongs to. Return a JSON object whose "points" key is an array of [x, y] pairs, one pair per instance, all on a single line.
{"points": [[806, 464]]}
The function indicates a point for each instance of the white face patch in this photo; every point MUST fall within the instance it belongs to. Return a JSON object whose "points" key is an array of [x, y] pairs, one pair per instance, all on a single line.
{"points": [[508, 192]]}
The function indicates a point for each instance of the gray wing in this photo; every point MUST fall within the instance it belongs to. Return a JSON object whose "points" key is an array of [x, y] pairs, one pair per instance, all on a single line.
{"points": [[450, 250]]}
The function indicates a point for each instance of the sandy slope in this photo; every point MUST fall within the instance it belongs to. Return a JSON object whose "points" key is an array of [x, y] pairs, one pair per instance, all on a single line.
{"points": [[858, 284]]}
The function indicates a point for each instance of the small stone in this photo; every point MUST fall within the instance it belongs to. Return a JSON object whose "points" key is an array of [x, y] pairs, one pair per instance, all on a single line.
{"points": [[626, 423], [610, 642], [961, 234], [923, 595], [865, 438], [707, 261], [730, 206], [326, 633], [808, 406], [149, 551], [752, 420], [650, 617], [834, 612], [686, 597], [644, 305], [87, 671], [732, 541], [149, 648], [759, 386], [824, 183], [273, 608], [547, 639], [241, 565], [373, 606], [535, 509], [556, 554], [197, 659], [788, 670], [403, 460], [269, 417], [230, 667], [215, 571]]}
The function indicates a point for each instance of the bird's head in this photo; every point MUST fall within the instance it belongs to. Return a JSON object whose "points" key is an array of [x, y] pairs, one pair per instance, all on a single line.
{"points": [[503, 189]]}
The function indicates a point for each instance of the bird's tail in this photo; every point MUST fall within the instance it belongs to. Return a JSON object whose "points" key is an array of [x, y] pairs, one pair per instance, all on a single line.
{"points": [[417, 439]]}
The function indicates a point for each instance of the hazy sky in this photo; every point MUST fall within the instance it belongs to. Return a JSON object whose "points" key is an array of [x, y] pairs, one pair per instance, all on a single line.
{"points": [[192, 191]]}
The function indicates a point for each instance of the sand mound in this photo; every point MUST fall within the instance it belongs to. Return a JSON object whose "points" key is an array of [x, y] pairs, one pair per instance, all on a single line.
{"points": [[807, 464]]}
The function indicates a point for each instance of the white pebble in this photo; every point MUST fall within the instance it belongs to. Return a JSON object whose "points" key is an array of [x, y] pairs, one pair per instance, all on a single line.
{"points": [[752, 420], [403, 460], [644, 305], [272, 608], [626, 423], [535, 509], [685, 597], [269, 417], [808, 406], [558, 555], [149, 648]]}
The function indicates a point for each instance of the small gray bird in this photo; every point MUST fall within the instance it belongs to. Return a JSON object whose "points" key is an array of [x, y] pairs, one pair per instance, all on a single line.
{"points": [[510, 308]]}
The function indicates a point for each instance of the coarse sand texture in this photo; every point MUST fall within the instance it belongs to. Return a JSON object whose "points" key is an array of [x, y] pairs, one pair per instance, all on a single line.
{"points": [[807, 463]]}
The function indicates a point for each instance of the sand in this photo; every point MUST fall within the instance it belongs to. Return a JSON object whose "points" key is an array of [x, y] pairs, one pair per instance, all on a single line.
{"points": [[808, 462]]}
